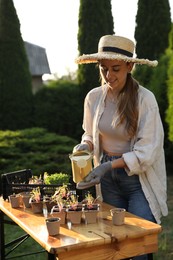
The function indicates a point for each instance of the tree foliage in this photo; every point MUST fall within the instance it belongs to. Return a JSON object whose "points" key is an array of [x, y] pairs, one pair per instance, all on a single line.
{"points": [[158, 85], [95, 20], [57, 108], [15, 78], [153, 24], [169, 117]]}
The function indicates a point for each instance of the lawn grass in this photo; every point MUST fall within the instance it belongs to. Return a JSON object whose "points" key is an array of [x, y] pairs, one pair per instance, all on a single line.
{"points": [[12, 232], [165, 237]]}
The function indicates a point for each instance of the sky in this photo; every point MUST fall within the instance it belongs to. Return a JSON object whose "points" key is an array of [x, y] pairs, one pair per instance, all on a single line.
{"points": [[53, 25]]}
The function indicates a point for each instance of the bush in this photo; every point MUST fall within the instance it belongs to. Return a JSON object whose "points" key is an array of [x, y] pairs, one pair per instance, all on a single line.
{"points": [[59, 108], [35, 149]]}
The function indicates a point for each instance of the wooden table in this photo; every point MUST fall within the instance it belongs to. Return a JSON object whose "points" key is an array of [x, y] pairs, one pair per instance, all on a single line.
{"points": [[98, 241]]}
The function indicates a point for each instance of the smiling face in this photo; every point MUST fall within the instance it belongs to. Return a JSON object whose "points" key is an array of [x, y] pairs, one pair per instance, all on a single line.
{"points": [[114, 73]]}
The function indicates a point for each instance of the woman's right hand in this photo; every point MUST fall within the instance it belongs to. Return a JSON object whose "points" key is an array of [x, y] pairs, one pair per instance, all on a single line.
{"points": [[81, 147]]}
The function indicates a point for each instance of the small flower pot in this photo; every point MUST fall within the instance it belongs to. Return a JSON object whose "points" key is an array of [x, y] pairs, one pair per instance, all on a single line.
{"points": [[74, 214], [25, 199], [118, 216], [53, 226], [74, 217], [91, 213], [56, 212], [37, 207], [15, 201], [49, 203]]}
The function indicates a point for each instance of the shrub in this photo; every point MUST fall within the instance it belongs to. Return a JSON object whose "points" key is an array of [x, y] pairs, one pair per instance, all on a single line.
{"points": [[35, 149], [59, 108]]}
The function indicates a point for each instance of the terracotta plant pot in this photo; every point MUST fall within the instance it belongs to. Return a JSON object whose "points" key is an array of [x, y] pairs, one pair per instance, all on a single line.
{"points": [[59, 214], [53, 226], [15, 201]]}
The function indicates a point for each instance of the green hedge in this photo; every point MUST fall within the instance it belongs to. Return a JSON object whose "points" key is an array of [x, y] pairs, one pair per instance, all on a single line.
{"points": [[35, 149], [59, 108]]}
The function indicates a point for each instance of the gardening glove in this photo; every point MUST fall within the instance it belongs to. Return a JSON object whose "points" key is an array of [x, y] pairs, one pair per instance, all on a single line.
{"points": [[87, 184], [81, 147], [94, 176]]}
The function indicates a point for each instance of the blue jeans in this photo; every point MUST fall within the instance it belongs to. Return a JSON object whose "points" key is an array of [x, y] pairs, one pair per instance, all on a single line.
{"points": [[123, 191]]}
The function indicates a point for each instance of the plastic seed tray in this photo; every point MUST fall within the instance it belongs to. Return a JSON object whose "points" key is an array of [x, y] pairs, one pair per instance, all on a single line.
{"points": [[18, 181]]}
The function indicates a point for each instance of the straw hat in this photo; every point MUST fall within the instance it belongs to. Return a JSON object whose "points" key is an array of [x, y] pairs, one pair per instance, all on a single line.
{"points": [[114, 47]]}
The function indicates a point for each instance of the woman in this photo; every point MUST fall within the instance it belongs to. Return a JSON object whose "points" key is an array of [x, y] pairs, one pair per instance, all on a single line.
{"points": [[122, 127]]}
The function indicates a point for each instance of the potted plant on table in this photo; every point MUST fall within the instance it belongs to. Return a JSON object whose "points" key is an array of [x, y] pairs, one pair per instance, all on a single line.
{"points": [[60, 200], [26, 199], [90, 209], [74, 209], [35, 200], [53, 225], [15, 200]]}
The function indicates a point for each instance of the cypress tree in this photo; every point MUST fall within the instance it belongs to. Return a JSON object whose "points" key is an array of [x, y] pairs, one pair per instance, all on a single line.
{"points": [[153, 24], [169, 112], [95, 20], [15, 79]]}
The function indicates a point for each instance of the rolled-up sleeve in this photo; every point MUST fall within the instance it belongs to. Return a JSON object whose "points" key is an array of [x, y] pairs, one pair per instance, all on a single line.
{"points": [[149, 139]]}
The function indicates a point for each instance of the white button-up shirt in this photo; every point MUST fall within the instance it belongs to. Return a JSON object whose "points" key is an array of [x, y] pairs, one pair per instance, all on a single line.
{"points": [[146, 157]]}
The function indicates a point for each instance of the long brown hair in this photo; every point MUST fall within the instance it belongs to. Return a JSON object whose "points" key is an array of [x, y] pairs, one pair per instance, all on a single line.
{"points": [[128, 105]]}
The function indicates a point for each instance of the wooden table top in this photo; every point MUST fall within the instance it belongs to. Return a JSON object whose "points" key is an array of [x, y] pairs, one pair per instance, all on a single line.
{"points": [[80, 235]]}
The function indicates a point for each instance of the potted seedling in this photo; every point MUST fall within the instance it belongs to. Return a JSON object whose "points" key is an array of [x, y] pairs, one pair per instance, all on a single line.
{"points": [[35, 180], [74, 209], [26, 199], [15, 200], [90, 208], [35, 200], [54, 180], [60, 199]]}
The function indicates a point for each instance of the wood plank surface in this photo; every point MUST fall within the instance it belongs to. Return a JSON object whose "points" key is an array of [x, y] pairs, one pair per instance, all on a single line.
{"points": [[102, 239]]}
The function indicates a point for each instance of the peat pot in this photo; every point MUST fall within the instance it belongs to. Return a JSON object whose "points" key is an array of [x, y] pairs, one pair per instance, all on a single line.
{"points": [[15, 200], [53, 226]]}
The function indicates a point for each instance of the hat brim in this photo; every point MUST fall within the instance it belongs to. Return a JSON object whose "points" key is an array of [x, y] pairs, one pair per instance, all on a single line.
{"points": [[94, 58]]}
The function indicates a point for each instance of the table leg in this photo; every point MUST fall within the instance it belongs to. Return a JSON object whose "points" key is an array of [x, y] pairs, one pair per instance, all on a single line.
{"points": [[150, 256], [2, 242], [51, 256]]}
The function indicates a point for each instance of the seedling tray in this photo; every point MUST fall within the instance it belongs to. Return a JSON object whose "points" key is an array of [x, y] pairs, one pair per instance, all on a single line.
{"points": [[18, 181]]}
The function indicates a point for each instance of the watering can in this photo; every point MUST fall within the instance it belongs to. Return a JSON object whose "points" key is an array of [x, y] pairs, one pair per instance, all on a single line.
{"points": [[81, 162]]}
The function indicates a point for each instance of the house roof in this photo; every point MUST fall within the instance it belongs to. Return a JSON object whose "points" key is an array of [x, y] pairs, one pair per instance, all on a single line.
{"points": [[38, 62]]}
